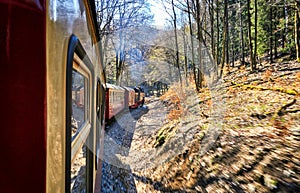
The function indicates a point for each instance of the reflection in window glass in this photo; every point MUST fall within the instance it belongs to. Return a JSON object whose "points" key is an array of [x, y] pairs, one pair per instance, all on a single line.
{"points": [[78, 102], [78, 172], [79, 109]]}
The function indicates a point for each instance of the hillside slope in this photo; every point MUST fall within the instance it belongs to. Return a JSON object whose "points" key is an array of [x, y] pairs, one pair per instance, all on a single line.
{"points": [[241, 135]]}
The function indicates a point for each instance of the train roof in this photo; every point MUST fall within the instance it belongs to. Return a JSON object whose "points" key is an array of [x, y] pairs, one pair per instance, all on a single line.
{"points": [[128, 88], [112, 86]]}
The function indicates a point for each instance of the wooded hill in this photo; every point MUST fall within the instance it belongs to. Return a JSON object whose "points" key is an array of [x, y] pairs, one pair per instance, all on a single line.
{"points": [[210, 33]]}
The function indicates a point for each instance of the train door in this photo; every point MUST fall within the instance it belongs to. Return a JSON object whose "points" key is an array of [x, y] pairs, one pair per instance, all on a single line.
{"points": [[79, 121]]}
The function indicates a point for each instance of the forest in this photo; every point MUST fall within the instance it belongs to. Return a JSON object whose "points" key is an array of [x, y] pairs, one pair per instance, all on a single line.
{"points": [[206, 37], [233, 72]]}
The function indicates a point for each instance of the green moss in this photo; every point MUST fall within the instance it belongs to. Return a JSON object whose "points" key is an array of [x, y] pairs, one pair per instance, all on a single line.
{"points": [[204, 127], [160, 140], [165, 133], [263, 107]]}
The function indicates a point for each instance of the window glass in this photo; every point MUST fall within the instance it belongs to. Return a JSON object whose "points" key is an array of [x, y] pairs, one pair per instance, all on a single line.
{"points": [[78, 172], [78, 102], [79, 120]]}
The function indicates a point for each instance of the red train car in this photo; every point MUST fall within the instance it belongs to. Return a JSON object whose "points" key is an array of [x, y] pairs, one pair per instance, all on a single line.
{"points": [[115, 100], [129, 97], [121, 98]]}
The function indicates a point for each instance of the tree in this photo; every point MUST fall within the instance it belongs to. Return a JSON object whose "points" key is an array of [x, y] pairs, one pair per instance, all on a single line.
{"points": [[297, 29], [224, 42], [176, 39], [253, 67], [241, 33], [185, 46], [116, 18], [252, 60], [192, 43], [200, 41]]}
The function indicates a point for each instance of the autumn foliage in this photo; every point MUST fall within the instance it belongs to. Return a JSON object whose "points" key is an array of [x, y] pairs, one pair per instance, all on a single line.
{"points": [[172, 97]]}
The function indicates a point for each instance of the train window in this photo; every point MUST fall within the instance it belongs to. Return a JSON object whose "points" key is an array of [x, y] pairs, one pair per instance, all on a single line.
{"points": [[79, 123]]}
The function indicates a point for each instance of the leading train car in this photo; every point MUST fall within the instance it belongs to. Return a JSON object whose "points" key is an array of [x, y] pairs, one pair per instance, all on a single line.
{"points": [[139, 97], [52, 95]]}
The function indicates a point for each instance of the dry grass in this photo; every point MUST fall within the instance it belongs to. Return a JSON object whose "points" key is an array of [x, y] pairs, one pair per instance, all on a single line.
{"points": [[174, 100]]}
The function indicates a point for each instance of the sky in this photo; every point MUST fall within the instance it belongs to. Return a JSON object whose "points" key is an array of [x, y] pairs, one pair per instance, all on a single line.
{"points": [[159, 13]]}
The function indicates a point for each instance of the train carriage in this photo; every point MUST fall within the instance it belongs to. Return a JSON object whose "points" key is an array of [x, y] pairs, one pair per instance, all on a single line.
{"points": [[129, 97], [115, 100], [52, 104]]}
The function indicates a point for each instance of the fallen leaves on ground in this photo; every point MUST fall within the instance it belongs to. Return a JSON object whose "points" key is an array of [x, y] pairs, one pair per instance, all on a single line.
{"points": [[252, 153]]}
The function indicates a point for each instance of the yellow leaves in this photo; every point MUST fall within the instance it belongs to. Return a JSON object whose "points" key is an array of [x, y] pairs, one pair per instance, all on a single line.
{"points": [[175, 99], [279, 124], [175, 114], [227, 69], [172, 97], [209, 103], [244, 79], [231, 89], [242, 68], [267, 75]]}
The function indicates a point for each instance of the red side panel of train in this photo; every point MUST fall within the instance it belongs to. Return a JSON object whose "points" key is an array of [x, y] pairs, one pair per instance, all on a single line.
{"points": [[115, 101], [107, 106], [23, 72], [129, 97]]}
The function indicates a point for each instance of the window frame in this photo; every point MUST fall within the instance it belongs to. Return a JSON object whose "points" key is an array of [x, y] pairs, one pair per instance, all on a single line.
{"points": [[76, 50]]}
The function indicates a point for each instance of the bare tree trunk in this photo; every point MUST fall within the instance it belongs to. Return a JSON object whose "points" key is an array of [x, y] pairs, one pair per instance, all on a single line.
{"points": [[297, 30], [117, 66], [275, 45], [233, 54], [242, 34], [227, 37], [104, 49], [218, 34], [120, 58], [212, 33], [192, 46], [249, 36], [185, 56], [276, 34], [271, 34], [284, 32], [200, 40], [224, 37], [255, 36], [176, 41]]}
